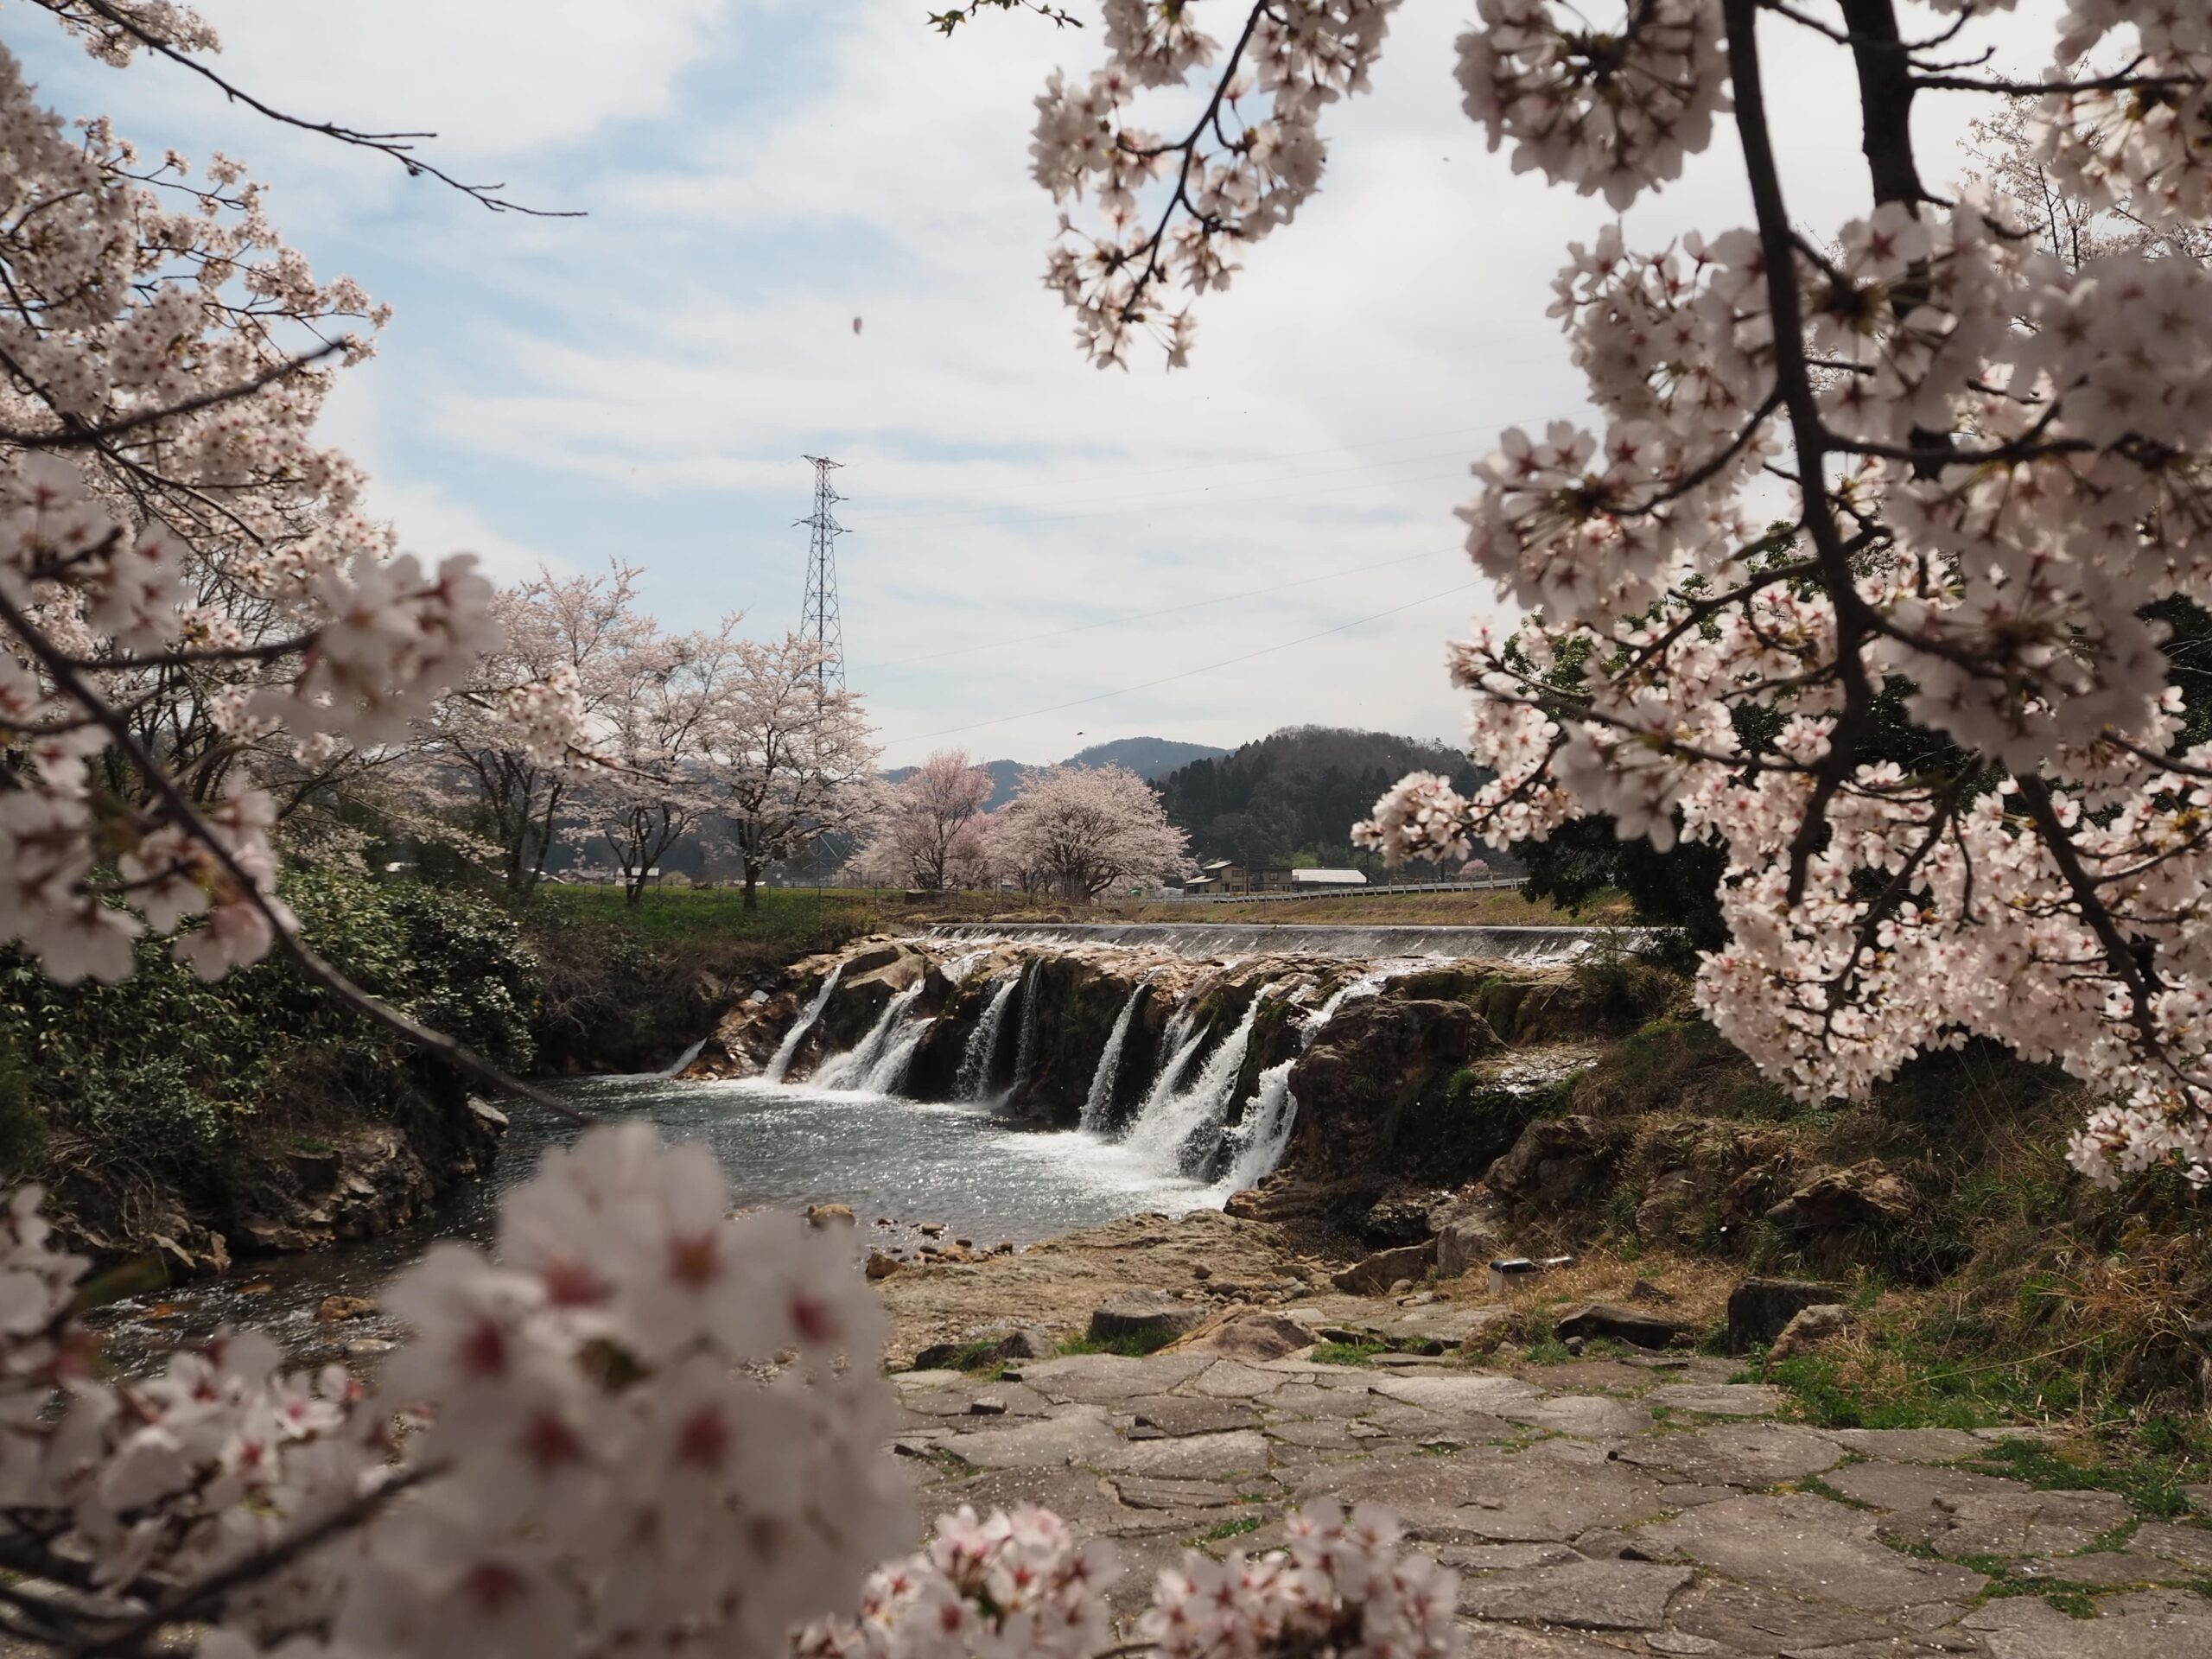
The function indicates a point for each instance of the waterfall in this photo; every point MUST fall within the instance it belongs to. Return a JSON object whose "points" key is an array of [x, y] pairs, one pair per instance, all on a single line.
{"points": [[1172, 1117], [684, 1060], [1025, 1052], [1368, 984], [975, 1078], [1099, 1103], [1179, 1041], [857, 1068], [1256, 1145], [804, 1023]]}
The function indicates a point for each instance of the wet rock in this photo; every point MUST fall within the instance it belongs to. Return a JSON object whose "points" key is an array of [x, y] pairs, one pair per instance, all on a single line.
{"points": [[1144, 1314], [1823, 1322], [336, 1310], [1760, 1309], [880, 1265], [1633, 1325], [1556, 1163], [831, 1215], [1373, 1275]]}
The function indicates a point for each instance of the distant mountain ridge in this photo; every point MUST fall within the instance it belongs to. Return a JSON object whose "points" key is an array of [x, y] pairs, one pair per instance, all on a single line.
{"points": [[1150, 757]]}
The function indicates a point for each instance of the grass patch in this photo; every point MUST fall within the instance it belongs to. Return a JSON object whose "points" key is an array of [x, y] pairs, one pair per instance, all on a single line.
{"points": [[1235, 1528], [2152, 1485], [1122, 1347], [789, 919], [978, 1359], [1347, 1353]]}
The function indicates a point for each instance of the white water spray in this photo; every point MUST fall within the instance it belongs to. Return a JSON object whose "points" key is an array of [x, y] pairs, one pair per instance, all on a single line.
{"points": [[975, 1078], [804, 1023], [1100, 1101], [1261, 1137], [857, 1068], [1173, 1118], [1025, 1052]]}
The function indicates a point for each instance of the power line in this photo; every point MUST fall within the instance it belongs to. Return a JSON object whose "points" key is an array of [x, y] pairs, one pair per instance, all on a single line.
{"points": [[1188, 673], [1143, 616]]}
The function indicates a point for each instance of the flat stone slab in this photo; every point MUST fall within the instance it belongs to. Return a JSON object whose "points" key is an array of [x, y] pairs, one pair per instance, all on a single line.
{"points": [[1957, 1512], [1750, 1454], [1078, 1434], [1098, 1378], [2154, 1625], [1479, 1391], [2189, 1545], [1175, 1413], [1140, 1493], [1909, 1444], [1717, 1399], [1231, 1379], [1193, 1457], [1811, 1546], [1586, 1416], [1581, 1595]]}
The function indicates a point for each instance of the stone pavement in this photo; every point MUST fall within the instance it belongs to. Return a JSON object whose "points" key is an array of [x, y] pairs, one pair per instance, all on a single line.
{"points": [[1604, 1507]]}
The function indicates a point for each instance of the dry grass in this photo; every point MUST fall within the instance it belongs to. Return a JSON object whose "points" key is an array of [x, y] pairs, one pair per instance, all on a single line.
{"points": [[1696, 1290]]}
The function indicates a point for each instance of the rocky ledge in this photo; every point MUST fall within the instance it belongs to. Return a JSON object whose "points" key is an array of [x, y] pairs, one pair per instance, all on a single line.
{"points": [[1596, 1508]]}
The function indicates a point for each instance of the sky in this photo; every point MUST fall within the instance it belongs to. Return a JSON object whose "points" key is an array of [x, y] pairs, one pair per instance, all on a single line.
{"points": [[1039, 555]]}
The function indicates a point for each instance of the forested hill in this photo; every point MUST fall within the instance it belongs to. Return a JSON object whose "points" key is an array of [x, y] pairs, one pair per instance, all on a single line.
{"points": [[1292, 797], [1150, 757]]}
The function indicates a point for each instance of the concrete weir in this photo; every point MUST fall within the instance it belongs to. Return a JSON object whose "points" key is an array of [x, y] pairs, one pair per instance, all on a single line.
{"points": [[1351, 942]]}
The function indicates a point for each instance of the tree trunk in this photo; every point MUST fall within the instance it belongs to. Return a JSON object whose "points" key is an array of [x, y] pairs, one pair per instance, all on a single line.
{"points": [[752, 885]]}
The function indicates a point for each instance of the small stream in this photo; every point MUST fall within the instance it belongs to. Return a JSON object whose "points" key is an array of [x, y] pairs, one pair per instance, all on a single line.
{"points": [[784, 1145]]}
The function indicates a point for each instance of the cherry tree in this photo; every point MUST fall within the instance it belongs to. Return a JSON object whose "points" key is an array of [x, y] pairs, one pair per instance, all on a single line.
{"points": [[585, 644], [1081, 829], [926, 832], [647, 785], [789, 755], [1895, 455]]}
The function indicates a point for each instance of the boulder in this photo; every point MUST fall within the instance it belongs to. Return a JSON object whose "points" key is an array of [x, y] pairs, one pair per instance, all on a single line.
{"points": [[1839, 1200], [881, 1265], [1637, 1326], [831, 1214], [1144, 1314], [1823, 1322], [1254, 1334], [1469, 1232], [1397, 1219], [1373, 1275], [1556, 1163], [1028, 1342], [336, 1310], [1760, 1309]]}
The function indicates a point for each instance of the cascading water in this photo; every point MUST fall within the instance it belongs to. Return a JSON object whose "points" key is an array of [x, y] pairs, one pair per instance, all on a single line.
{"points": [[1368, 984], [1261, 1137], [1099, 1103], [674, 1069], [856, 1068], [1025, 1052], [973, 1082], [1179, 1042], [804, 1023], [1163, 1136]]}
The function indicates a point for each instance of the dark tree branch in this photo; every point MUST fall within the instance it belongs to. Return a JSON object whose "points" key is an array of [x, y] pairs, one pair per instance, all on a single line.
{"points": [[400, 146]]}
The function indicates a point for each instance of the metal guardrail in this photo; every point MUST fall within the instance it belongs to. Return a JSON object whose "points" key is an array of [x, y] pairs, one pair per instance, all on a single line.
{"points": [[1370, 891]]}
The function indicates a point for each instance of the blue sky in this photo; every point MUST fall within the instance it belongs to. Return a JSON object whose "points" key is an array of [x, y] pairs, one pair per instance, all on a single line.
{"points": [[755, 174]]}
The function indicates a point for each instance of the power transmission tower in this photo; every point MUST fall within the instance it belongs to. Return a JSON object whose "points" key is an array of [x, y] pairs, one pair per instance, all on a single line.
{"points": [[821, 621]]}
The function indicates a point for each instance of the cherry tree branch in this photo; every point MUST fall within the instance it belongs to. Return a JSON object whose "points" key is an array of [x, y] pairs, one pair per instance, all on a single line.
{"points": [[400, 146], [72, 682]]}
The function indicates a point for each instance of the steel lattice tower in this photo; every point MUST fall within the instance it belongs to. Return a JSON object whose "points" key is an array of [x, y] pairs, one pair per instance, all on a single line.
{"points": [[821, 621]]}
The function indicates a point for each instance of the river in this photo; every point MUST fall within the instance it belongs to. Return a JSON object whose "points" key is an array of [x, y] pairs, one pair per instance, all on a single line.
{"points": [[782, 1145]]}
